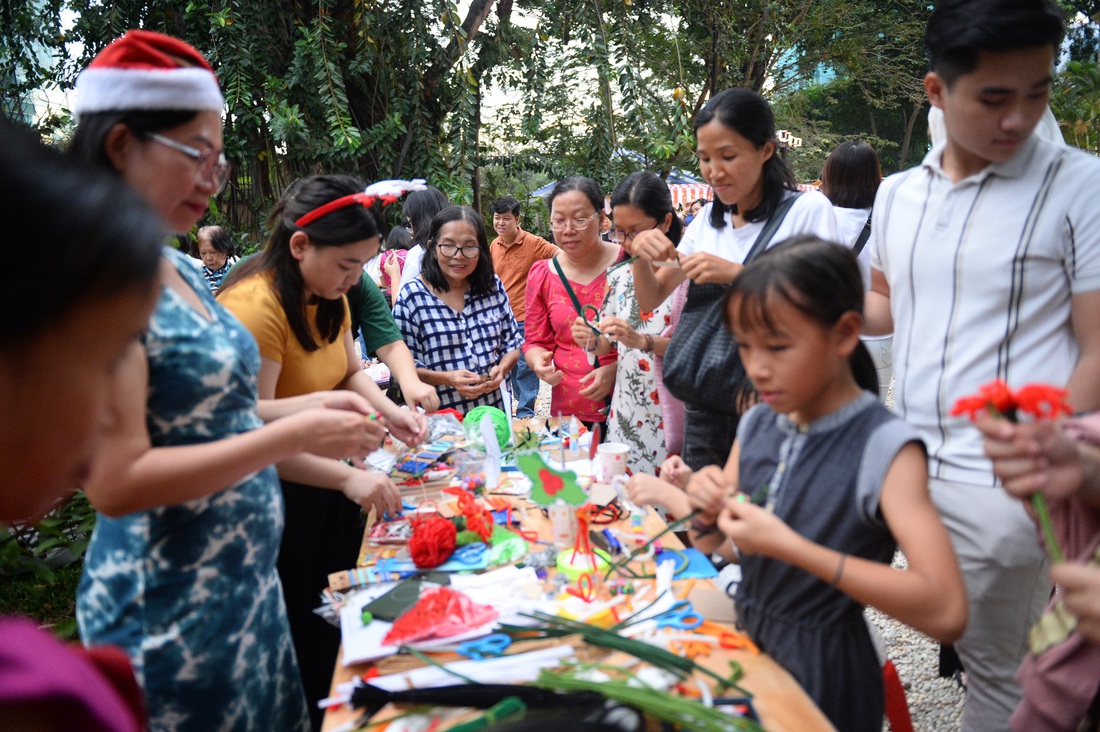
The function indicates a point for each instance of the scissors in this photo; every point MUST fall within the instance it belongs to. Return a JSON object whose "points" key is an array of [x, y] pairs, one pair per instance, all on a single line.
{"points": [[727, 638], [482, 648], [681, 616], [470, 554]]}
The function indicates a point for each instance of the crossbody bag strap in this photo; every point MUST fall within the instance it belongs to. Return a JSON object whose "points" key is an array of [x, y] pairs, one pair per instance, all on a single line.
{"points": [[864, 235], [771, 226], [568, 287]]}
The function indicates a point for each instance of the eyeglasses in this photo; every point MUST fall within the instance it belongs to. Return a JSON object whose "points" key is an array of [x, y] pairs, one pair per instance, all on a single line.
{"points": [[452, 250], [577, 223], [210, 167], [619, 236]]}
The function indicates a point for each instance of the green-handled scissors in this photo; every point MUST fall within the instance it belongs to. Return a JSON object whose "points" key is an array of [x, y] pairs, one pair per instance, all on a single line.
{"points": [[595, 317]]}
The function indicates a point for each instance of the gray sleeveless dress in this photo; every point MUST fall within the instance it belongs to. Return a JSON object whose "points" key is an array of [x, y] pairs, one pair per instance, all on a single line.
{"points": [[825, 482]]}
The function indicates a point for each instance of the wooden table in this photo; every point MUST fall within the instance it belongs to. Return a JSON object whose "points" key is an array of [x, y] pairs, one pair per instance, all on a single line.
{"points": [[779, 700]]}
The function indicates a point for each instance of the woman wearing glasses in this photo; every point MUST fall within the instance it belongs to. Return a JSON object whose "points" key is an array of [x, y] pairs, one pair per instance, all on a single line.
{"points": [[641, 202], [564, 295], [455, 316], [180, 571]]}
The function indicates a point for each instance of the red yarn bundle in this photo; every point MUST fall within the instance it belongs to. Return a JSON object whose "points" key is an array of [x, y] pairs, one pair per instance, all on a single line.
{"points": [[432, 542]]}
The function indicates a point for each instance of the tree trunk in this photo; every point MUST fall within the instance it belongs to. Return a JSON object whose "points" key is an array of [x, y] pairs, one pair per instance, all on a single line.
{"points": [[909, 125]]}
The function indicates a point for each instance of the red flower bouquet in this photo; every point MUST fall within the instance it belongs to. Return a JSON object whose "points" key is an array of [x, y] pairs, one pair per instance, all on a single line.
{"points": [[1039, 401]]}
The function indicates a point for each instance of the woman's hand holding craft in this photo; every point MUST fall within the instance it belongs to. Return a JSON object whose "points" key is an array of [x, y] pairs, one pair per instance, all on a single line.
{"points": [[582, 334], [1033, 457], [619, 330], [703, 268], [467, 383], [707, 492], [652, 246], [372, 491], [544, 366], [755, 530], [408, 426], [338, 433], [421, 395], [1080, 587], [494, 380]]}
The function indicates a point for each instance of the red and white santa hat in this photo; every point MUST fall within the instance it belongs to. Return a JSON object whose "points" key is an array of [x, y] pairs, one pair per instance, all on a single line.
{"points": [[150, 71]]}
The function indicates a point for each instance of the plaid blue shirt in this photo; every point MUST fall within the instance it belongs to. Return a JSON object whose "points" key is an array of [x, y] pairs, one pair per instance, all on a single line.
{"points": [[444, 340]]}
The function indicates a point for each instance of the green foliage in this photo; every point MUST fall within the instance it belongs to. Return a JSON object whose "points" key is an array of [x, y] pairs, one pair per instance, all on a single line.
{"points": [[57, 540], [50, 602], [1075, 101]]}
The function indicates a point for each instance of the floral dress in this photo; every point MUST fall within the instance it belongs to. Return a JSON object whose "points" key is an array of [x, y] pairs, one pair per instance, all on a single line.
{"points": [[190, 591], [636, 417]]}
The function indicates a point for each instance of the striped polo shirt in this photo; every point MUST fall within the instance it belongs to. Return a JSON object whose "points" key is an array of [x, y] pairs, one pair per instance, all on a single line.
{"points": [[981, 273]]}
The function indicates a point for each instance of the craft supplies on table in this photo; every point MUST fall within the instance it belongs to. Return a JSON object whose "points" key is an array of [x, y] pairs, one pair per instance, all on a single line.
{"points": [[602, 597]]}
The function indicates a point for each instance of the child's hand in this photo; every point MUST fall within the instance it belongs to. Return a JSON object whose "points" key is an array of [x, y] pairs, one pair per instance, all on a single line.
{"points": [[675, 471], [707, 492], [1033, 457], [755, 530], [648, 490]]}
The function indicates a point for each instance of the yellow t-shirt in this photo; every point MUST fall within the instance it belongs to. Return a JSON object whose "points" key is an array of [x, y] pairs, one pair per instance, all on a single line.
{"points": [[257, 305]]}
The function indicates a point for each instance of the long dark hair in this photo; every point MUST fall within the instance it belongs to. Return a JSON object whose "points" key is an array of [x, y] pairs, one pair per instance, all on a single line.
{"points": [[749, 115], [420, 208], [88, 139], [99, 235], [820, 278], [481, 279], [649, 194], [851, 175], [339, 228]]}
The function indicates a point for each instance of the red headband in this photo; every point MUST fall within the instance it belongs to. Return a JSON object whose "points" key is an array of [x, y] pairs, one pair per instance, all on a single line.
{"points": [[386, 191]]}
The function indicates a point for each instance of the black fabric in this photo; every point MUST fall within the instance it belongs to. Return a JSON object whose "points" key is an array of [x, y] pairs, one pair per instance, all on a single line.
{"points": [[861, 240], [324, 532], [708, 436], [701, 365]]}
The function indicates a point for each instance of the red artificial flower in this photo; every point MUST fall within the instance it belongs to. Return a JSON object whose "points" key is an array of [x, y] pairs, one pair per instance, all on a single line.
{"points": [[999, 396], [971, 406], [643, 364], [646, 316], [1042, 401]]}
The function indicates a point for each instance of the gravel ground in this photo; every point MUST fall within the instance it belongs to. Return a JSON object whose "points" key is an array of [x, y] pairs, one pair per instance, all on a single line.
{"points": [[935, 704]]}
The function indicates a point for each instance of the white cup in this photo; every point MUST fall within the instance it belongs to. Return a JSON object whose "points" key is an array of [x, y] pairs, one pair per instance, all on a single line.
{"points": [[612, 460]]}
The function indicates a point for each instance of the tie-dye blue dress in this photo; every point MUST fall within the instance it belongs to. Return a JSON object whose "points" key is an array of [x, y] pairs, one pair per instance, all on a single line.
{"points": [[190, 591]]}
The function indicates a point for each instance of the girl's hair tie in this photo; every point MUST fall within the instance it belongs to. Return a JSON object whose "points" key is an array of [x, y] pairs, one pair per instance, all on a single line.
{"points": [[386, 191]]}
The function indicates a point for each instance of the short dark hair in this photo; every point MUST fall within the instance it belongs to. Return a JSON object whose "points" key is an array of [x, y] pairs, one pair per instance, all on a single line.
{"points": [[748, 114], [649, 194], [100, 236], [481, 279], [419, 208], [587, 186], [851, 175], [338, 228], [959, 30], [819, 278], [398, 238], [219, 239], [506, 204]]}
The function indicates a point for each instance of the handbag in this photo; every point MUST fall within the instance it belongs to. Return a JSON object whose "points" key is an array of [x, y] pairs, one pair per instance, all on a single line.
{"points": [[701, 365]]}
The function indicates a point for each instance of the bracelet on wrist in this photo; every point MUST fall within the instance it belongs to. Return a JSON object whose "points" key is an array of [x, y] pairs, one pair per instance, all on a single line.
{"points": [[648, 347], [839, 570]]}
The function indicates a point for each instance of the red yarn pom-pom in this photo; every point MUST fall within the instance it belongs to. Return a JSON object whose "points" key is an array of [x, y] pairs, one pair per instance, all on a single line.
{"points": [[432, 542]]}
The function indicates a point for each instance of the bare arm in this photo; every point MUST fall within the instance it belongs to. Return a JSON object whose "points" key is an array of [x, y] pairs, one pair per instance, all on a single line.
{"points": [[877, 319], [653, 285], [1084, 382], [405, 424], [707, 492], [132, 475], [416, 392]]}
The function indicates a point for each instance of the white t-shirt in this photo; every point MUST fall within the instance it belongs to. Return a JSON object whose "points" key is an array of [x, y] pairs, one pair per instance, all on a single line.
{"points": [[849, 225], [981, 275], [811, 214], [412, 266]]}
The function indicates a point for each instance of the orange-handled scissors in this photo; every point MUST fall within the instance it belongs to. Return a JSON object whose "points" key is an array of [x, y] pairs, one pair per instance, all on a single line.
{"points": [[728, 638]]}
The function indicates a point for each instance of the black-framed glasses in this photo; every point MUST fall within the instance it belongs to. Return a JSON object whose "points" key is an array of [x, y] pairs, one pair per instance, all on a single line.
{"points": [[452, 250], [210, 167]]}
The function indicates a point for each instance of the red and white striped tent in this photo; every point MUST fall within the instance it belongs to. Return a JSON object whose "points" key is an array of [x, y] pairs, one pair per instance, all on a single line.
{"points": [[683, 194]]}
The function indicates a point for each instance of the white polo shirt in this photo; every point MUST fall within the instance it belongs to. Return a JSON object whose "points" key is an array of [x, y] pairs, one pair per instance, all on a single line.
{"points": [[810, 214], [981, 274]]}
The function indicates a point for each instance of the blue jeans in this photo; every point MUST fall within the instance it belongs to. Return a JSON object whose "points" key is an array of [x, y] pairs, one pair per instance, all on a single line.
{"points": [[525, 386]]}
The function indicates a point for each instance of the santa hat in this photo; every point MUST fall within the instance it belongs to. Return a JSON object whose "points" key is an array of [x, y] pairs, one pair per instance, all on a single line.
{"points": [[147, 71]]}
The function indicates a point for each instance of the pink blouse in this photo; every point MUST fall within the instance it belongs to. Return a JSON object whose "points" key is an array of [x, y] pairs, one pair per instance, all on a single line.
{"points": [[550, 316]]}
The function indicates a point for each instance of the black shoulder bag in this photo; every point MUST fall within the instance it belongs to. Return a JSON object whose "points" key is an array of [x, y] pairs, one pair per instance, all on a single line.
{"points": [[701, 364]]}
